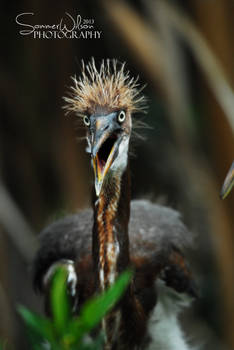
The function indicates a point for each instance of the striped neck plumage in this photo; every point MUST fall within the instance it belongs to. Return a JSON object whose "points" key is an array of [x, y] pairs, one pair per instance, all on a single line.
{"points": [[110, 231]]}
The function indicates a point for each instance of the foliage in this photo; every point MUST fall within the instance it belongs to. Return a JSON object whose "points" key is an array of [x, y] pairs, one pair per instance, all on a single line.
{"points": [[65, 331]]}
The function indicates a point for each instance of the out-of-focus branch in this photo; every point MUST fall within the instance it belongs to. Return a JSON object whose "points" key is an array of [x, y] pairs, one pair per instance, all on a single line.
{"points": [[16, 226], [178, 94], [208, 62], [139, 38], [228, 182]]}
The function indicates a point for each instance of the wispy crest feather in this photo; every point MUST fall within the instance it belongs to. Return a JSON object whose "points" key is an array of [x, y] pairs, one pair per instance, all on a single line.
{"points": [[110, 88]]}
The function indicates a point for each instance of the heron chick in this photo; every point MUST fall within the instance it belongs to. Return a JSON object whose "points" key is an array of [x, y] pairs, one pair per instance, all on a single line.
{"points": [[118, 233]]}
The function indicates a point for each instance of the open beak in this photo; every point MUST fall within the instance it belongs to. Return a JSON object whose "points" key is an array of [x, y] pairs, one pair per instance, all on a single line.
{"points": [[228, 182], [105, 141]]}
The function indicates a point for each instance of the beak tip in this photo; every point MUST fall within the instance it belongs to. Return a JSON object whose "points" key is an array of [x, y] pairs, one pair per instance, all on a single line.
{"points": [[98, 187]]}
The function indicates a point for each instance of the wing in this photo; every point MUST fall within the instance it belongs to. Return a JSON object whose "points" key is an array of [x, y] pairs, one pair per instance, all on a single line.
{"points": [[159, 238], [66, 239]]}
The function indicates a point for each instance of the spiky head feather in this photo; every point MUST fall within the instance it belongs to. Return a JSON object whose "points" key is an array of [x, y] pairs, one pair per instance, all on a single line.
{"points": [[110, 88]]}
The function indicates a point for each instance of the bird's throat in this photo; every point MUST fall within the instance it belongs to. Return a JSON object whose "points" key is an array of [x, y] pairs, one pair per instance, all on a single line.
{"points": [[110, 231]]}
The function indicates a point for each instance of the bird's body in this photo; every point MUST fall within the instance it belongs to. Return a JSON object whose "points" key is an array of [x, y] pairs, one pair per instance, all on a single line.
{"points": [[162, 283], [101, 243]]}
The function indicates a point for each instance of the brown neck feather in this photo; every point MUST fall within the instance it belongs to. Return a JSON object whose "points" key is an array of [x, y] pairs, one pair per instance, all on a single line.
{"points": [[110, 230]]}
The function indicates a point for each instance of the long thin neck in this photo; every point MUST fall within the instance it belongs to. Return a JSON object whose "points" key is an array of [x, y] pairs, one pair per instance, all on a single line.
{"points": [[110, 230]]}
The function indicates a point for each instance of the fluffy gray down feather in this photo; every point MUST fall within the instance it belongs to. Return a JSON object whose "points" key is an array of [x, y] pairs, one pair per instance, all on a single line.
{"points": [[153, 229]]}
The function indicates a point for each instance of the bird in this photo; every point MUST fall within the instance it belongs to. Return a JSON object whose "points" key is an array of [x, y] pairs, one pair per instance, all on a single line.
{"points": [[97, 244]]}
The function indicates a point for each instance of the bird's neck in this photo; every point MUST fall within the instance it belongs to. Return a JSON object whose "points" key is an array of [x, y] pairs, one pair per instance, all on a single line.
{"points": [[110, 230]]}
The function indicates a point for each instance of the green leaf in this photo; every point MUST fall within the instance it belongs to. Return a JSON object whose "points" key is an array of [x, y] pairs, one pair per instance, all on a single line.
{"points": [[39, 325], [65, 332], [95, 309], [61, 310]]}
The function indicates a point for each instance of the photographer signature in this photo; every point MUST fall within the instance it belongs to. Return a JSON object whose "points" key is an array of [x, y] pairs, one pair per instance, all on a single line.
{"points": [[68, 23]]}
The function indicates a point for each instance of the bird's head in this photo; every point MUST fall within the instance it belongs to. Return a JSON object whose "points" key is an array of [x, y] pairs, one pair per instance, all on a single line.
{"points": [[106, 99], [108, 138]]}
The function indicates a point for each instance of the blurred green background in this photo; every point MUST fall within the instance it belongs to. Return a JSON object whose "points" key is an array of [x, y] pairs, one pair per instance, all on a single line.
{"points": [[183, 51]]}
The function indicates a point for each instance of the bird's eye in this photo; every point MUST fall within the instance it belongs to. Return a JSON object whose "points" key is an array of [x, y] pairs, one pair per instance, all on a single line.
{"points": [[121, 116], [86, 120]]}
